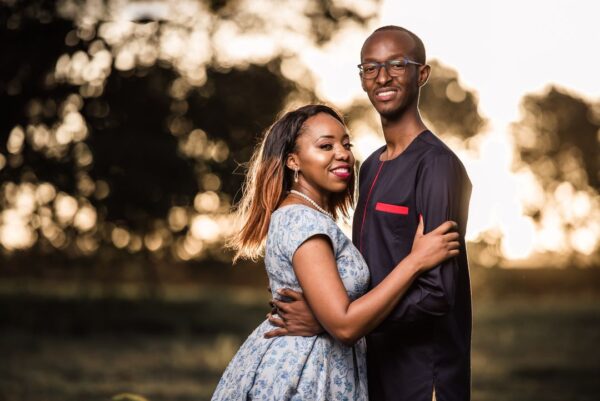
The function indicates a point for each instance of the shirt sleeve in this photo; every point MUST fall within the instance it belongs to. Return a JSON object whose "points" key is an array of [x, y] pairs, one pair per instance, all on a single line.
{"points": [[301, 224], [443, 191]]}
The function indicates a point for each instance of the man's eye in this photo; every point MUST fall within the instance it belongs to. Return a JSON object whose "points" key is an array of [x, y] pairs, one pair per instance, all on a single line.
{"points": [[396, 64], [369, 68], [348, 145]]}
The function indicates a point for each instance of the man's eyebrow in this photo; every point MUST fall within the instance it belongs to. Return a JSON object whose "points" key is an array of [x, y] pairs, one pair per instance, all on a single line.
{"points": [[392, 57]]}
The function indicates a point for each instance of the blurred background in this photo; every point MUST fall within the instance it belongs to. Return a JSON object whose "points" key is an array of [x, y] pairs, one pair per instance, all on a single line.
{"points": [[124, 129]]}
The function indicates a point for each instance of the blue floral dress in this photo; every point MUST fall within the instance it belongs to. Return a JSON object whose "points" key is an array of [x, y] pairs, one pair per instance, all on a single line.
{"points": [[300, 368]]}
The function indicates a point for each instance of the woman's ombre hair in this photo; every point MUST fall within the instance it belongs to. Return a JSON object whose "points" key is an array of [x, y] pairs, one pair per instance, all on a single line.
{"points": [[269, 179]]}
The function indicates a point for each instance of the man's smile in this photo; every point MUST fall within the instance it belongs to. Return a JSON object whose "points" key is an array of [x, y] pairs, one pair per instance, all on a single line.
{"points": [[385, 94]]}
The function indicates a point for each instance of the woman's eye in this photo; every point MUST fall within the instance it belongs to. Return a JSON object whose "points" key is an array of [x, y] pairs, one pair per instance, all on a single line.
{"points": [[326, 146], [348, 145]]}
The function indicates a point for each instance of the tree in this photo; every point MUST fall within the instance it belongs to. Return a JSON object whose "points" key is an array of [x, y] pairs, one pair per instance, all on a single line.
{"points": [[121, 124], [558, 138], [447, 106]]}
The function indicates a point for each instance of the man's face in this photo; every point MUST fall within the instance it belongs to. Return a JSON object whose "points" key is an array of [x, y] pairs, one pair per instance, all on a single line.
{"points": [[392, 95]]}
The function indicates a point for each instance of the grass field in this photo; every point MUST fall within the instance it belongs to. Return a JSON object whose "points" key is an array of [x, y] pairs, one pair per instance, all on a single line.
{"points": [[525, 348]]}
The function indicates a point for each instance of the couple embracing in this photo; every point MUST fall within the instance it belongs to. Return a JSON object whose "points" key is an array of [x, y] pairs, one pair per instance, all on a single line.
{"points": [[386, 316]]}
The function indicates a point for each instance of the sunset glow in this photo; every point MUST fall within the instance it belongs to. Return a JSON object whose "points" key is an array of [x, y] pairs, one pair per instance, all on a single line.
{"points": [[498, 65]]}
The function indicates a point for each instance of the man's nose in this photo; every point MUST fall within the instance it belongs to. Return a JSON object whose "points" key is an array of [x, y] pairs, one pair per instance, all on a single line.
{"points": [[382, 74]]}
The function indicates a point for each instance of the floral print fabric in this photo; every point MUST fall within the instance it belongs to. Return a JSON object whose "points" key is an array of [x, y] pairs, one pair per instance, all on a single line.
{"points": [[300, 368]]}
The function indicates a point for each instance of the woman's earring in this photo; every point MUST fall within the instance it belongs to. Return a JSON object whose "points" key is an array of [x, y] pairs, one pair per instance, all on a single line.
{"points": [[295, 175]]}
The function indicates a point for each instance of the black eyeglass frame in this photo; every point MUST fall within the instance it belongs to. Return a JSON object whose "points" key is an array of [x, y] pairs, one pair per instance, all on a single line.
{"points": [[403, 62]]}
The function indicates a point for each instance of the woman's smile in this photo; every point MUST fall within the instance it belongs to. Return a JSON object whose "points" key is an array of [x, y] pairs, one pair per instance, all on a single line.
{"points": [[344, 171]]}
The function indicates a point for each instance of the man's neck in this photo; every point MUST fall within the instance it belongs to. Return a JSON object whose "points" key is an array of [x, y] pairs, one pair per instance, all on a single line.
{"points": [[400, 131]]}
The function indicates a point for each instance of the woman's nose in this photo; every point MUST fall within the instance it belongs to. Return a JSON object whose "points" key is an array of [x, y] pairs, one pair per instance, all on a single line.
{"points": [[342, 153]]}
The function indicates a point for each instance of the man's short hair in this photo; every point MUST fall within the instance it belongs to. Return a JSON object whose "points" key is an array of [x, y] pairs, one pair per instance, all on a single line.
{"points": [[419, 50]]}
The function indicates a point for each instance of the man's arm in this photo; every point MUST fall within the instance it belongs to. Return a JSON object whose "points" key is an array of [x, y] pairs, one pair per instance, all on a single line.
{"points": [[443, 192], [294, 317]]}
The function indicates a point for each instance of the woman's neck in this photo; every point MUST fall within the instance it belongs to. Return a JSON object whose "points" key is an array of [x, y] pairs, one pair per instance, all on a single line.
{"points": [[321, 197]]}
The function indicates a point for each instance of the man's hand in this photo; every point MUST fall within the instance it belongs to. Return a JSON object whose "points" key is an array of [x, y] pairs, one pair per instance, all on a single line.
{"points": [[294, 317]]}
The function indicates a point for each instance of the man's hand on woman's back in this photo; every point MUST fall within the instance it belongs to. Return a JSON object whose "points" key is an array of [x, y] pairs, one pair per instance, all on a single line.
{"points": [[292, 317]]}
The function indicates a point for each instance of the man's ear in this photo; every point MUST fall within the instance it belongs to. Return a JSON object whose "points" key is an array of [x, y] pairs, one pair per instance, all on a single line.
{"points": [[424, 72], [292, 162], [362, 82]]}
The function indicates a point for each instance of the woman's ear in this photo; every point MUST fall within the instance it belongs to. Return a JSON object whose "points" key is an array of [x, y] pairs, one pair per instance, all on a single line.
{"points": [[292, 162]]}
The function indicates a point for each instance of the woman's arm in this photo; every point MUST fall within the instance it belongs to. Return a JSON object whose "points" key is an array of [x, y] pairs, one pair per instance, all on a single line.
{"points": [[316, 269]]}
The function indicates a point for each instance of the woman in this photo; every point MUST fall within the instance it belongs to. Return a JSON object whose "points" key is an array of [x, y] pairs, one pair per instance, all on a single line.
{"points": [[300, 180]]}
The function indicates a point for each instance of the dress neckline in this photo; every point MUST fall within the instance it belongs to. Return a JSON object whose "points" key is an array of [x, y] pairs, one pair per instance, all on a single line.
{"points": [[297, 204]]}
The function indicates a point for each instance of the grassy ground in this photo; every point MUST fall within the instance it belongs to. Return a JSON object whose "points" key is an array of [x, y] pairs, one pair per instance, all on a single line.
{"points": [[536, 350], [525, 347]]}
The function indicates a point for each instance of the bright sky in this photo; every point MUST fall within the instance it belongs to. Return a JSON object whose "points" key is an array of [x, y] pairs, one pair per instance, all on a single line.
{"points": [[501, 50], [504, 49]]}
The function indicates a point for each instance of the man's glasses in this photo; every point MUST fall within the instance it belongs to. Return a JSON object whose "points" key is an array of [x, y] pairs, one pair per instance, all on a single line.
{"points": [[393, 67]]}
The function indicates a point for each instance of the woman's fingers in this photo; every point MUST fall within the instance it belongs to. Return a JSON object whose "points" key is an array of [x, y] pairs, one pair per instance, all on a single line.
{"points": [[420, 227], [445, 227], [451, 236], [454, 245]]}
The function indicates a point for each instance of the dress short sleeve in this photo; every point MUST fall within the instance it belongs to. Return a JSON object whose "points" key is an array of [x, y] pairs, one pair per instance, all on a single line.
{"points": [[298, 224]]}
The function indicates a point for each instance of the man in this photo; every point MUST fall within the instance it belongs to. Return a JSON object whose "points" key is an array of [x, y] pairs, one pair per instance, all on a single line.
{"points": [[422, 351]]}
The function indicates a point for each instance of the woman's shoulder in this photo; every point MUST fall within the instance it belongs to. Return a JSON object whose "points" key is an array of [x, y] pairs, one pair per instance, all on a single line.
{"points": [[298, 215], [293, 224]]}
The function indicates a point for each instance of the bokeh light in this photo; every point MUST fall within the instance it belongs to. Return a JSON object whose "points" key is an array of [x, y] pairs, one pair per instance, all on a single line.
{"points": [[515, 209]]}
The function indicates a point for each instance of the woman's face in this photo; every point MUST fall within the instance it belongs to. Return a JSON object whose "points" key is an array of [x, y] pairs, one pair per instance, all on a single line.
{"points": [[323, 155]]}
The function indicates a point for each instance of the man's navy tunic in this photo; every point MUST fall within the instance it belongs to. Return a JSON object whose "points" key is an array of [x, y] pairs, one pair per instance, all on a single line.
{"points": [[425, 343]]}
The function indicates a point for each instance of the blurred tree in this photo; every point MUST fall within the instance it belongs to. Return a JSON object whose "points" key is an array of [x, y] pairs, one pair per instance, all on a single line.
{"points": [[558, 137], [447, 106], [121, 122], [32, 39], [134, 151]]}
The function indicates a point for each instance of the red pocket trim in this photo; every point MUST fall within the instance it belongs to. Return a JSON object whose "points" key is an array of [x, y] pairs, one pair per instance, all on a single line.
{"points": [[388, 208]]}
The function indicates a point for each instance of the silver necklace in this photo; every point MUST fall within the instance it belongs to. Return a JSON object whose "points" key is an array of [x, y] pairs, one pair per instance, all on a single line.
{"points": [[312, 202]]}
